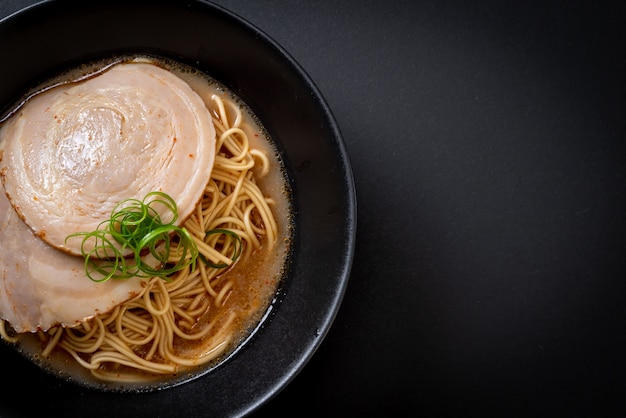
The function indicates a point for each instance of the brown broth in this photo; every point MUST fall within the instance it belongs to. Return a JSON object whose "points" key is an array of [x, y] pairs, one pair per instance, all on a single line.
{"points": [[256, 279]]}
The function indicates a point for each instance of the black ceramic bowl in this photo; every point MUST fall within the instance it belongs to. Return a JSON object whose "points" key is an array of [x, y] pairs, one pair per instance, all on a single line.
{"points": [[52, 36]]}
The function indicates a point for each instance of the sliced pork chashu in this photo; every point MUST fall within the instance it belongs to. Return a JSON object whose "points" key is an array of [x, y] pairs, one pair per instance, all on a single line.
{"points": [[72, 153], [41, 286]]}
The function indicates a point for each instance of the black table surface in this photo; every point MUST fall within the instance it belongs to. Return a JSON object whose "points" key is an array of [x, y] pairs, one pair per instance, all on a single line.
{"points": [[487, 141]]}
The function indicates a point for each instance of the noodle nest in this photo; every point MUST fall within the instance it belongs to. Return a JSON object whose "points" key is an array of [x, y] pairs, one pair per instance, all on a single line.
{"points": [[181, 322]]}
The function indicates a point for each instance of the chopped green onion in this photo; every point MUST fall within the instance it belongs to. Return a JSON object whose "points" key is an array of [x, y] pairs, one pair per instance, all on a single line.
{"points": [[136, 225]]}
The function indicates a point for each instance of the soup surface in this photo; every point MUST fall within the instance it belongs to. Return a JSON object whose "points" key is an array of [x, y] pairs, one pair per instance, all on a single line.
{"points": [[191, 320]]}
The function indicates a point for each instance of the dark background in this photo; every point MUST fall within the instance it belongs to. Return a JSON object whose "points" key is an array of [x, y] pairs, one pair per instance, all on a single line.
{"points": [[487, 141]]}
